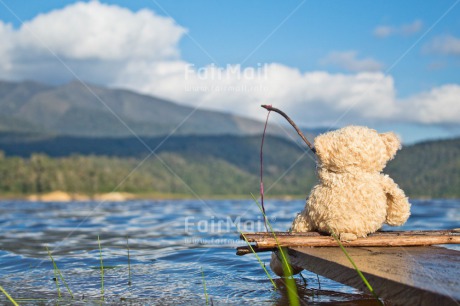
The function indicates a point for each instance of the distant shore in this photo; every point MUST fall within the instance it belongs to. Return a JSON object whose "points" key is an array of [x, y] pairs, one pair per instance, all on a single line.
{"points": [[61, 196]]}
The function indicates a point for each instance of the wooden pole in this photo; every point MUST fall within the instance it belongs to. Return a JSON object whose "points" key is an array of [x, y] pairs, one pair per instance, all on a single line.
{"points": [[266, 241], [271, 108]]}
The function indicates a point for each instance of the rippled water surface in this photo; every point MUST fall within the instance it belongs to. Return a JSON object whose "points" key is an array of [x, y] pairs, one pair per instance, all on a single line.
{"points": [[169, 243]]}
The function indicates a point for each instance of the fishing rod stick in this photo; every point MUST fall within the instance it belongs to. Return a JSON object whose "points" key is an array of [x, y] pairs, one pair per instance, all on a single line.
{"points": [[270, 108]]}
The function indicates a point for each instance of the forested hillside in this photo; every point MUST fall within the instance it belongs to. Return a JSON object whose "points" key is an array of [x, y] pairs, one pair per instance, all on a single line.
{"points": [[430, 169], [227, 165], [206, 166]]}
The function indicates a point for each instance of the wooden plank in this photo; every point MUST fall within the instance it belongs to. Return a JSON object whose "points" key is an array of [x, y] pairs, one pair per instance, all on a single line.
{"points": [[245, 250], [405, 276], [378, 233], [314, 239]]}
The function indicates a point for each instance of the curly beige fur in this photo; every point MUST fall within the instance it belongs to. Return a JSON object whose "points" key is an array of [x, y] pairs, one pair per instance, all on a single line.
{"points": [[353, 198]]}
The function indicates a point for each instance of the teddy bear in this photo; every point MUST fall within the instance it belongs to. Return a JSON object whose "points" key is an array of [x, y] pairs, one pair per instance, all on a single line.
{"points": [[353, 198]]}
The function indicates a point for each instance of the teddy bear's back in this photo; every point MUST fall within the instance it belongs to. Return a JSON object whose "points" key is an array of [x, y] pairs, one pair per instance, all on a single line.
{"points": [[348, 204]]}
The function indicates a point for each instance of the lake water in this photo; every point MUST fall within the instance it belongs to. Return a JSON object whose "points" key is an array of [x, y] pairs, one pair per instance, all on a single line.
{"points": [[170, 243]]}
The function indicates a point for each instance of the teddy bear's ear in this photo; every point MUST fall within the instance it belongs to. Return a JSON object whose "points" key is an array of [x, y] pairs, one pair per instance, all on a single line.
{"points": [[391, 142]]}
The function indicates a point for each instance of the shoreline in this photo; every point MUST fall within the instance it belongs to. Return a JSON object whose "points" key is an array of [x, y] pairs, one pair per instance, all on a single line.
{"points": [[61, 196]]}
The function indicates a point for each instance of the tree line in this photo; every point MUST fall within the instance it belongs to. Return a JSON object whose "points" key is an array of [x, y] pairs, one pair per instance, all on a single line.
{"points": [[167, 174], [430, 169]]}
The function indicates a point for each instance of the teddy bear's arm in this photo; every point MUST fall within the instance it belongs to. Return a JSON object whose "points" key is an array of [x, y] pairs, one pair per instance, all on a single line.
{"points": [[398, 207]]}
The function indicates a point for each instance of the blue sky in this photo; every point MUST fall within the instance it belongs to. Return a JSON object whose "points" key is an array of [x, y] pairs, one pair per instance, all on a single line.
{"points": [[413, 49]]}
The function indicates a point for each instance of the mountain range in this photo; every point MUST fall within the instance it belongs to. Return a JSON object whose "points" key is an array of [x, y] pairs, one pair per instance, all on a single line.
{"points": [[77, 109]]}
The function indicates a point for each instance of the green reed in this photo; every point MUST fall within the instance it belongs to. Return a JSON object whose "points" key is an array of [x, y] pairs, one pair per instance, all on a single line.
{"points": [[361, 275], [259, 260], [129, 262], [102, 268], [8, 296], [204, 287], [58, 275]]}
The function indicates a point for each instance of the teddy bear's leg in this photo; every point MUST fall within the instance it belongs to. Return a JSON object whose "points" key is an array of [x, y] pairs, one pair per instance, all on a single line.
{"points": [[347, 237], [398, 207], [302, 223]]}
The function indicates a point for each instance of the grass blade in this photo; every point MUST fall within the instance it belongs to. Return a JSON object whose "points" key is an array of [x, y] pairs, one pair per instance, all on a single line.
{"points": [[259, 260], [56, 281], [204, 286], [102, 268], [129, 263], [57, 275], [361, 275], [291, 286], [8, 296]]}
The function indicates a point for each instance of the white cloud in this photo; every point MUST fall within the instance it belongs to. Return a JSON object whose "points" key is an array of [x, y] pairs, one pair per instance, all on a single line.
{"points": [[311, 98], [110, 45], [98, 36], [441, 105], [383, 31], [5, 48], [316, 97], [411, 28], [447, 45], [99, 31], [348, 60]]}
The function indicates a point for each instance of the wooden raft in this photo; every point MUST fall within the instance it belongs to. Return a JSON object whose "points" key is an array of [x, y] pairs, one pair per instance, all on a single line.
{"points": [[401, 266]]}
